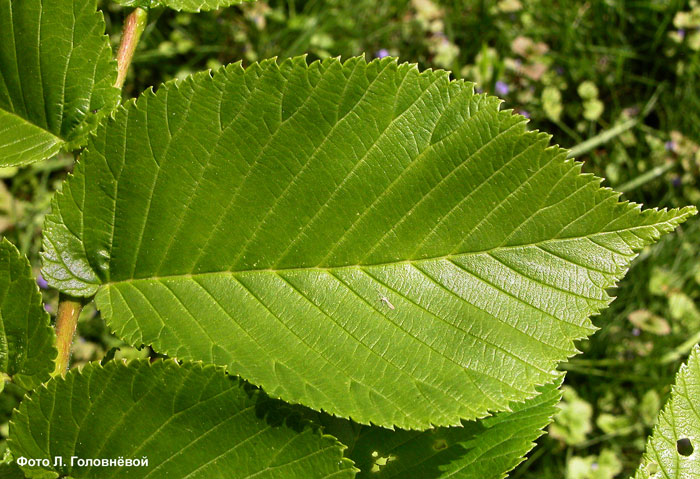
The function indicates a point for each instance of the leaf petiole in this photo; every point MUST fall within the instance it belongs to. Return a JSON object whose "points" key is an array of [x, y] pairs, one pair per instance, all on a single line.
{"points": [[134, 26], [69, 309]]}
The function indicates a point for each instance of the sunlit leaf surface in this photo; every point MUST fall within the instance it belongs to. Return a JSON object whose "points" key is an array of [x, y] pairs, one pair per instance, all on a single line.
{"points": [[189, 422], [362, 238], [27, 340], [56, 76], [673, 450]]}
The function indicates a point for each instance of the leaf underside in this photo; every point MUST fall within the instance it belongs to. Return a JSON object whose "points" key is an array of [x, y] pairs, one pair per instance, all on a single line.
{"points": [[56, 76], [665, 457], [183, 5], [362, 238], [190, 421], [27, 341], [484, 449]]}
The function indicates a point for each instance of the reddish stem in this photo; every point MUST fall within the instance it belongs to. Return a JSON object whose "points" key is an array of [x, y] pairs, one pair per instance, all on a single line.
{"points": [[133, 28]]}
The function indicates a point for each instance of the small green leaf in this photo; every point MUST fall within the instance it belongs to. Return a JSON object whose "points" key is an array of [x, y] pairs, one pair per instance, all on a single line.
{"points": [[189, 421], [361, 238], [673, 450], [27, 340], [56, 76], [573, 419], [182, 5], [485, 449]]}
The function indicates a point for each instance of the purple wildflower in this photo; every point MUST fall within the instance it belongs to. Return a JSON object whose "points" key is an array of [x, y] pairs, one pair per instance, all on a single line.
{"points": [[670, 145], [383, 53], [502, 88], [676, 181], [681, 33], [48, 308], [636, 331], [41, 282], [524, 113]]}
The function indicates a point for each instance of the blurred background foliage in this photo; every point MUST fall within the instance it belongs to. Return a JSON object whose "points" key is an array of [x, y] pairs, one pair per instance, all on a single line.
{"points": [[614, 70]]}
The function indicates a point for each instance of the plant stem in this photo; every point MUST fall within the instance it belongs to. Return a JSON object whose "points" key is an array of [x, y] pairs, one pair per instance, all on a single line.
{"points": [[604, 437], [66, 321], [600, 362], [134, 25], [69, 307], [645, 178], [601, 138], [682, 350], [615, 131]]}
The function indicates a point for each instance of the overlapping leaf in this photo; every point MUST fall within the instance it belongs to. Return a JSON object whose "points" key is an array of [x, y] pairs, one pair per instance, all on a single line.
{"points": [[10, 471], [366, 239], [182, 5], [673, 450], [189, 422], [27, 340], [56, 76], [485, 449]]}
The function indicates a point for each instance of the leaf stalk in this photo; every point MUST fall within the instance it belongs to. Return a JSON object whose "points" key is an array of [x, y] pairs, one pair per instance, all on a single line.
{"points": [[134, 26], [69, 309]]}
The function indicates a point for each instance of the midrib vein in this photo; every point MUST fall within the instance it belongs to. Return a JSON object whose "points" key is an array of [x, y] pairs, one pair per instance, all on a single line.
{"points": [[413, 261]]}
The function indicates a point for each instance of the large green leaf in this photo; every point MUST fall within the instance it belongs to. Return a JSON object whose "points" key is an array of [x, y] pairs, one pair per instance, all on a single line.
{"points": [[56, 76], [182, 5], [189, 421], [485, 449], [27, 340], [673, 450], [366, 239]]}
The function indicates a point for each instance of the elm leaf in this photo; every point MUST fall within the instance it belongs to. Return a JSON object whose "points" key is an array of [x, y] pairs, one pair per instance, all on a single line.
{"points": [[189, 421], [27, 340], [486, 449], [182, 5], [673, 450], [56, 77], [361, 238]]}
